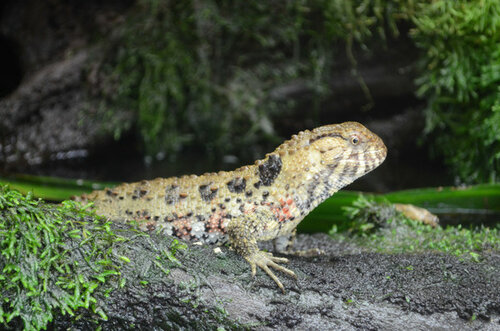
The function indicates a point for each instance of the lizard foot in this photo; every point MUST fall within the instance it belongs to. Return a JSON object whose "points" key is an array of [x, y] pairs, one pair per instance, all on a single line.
{"points": [[265, 260]]}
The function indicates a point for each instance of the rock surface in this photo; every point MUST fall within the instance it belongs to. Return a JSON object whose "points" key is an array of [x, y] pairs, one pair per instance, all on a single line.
{"points": [[345, 289]]}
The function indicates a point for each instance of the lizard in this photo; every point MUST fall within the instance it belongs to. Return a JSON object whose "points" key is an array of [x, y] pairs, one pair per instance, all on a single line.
{"points": [[253, 203]]}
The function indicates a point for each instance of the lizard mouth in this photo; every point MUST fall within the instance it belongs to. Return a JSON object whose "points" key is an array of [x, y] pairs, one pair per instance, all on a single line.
{"points": [[379, 149], [382, 152], [376, 148]]}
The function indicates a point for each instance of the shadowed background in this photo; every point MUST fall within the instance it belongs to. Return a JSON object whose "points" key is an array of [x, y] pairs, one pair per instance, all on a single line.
{"points": [[126, 90]]}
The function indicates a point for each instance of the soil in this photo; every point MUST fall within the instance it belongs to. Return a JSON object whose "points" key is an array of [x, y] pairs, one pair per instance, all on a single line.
{"points": [[344, 289]]}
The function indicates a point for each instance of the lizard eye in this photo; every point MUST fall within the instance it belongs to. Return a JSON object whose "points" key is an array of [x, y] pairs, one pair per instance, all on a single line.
{"points": [[354, 140]]}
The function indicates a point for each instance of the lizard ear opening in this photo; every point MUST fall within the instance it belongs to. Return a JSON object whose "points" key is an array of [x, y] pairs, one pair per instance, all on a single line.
{"points": [[326, 144], [329, 148], [332, 155]]}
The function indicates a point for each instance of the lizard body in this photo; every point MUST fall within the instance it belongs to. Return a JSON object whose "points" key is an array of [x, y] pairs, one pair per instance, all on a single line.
{"points": [[252, 203]]}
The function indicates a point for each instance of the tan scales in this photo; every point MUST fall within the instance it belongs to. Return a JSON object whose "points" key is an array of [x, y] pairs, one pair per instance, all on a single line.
{"points": [[252, 203]]}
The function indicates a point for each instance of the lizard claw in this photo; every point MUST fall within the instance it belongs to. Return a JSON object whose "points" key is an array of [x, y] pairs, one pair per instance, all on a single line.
{"points": [[265, 260]]}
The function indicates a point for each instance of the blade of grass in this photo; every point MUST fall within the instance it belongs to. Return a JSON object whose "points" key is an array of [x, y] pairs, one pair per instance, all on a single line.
{"points": [[52, 188]]}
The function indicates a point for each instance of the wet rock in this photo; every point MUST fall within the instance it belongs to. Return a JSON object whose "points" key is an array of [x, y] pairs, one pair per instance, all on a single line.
{"points": [[45, 108], [44, 115], [343, 289]]}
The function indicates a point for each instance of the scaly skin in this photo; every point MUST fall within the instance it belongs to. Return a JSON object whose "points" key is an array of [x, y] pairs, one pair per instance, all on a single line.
{"points": [[252, 203]]}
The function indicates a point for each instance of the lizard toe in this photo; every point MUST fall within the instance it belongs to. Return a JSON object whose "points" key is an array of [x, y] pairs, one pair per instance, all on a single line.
{"points": [[265, 260]]}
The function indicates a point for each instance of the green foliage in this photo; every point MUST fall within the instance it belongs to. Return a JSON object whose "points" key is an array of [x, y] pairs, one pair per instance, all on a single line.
{"points": [[209, 74], [366, 215], [378, 226], [53, 258], [205, 74], [460, 77], [51, 188], [65, 260]]}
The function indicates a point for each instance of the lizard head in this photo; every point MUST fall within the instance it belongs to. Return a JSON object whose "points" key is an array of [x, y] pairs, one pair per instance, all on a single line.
{"points": [[342, 152], [349, 146]]}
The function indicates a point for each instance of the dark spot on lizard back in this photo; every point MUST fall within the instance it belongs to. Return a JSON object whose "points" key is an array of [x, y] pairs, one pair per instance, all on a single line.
{"points": [[171, 194], [140, 192], [111, 193], [207, 193], [237, 185], [269, 170]]}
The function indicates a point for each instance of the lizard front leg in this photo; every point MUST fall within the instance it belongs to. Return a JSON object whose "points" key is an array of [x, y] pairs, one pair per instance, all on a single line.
{"points": [[243, 233]]}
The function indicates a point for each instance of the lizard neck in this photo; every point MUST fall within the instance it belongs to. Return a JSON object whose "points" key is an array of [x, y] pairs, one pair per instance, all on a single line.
{"points": [[301, 176], [312, 188]]}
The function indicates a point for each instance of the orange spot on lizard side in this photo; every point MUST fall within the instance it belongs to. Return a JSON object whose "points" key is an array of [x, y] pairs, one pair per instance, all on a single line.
{"points": [[283, 213]]}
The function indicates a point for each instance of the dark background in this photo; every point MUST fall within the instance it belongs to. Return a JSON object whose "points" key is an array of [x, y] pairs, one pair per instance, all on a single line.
{"points": [[59, 117]]}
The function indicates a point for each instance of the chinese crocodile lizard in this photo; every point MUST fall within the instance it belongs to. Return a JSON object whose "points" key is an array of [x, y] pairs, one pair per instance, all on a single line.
{"points": [[252, 203]]}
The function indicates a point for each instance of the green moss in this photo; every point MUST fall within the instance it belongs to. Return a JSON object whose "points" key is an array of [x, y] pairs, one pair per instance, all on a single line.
{"points": [[460, 78], [53, 258], [378, 226], [65, 260]]}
